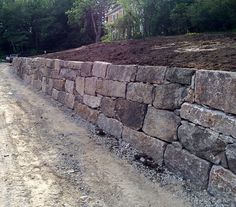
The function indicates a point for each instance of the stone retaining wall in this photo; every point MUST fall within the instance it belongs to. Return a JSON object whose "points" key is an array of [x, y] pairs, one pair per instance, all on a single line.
{"points": [[182, 118]]}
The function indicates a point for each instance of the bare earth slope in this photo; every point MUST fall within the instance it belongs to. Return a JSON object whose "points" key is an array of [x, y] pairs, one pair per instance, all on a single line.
{"points": [[216, 52]]}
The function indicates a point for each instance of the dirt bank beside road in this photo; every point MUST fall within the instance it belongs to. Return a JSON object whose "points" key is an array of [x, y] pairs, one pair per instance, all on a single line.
{"points": [[213, 52]]}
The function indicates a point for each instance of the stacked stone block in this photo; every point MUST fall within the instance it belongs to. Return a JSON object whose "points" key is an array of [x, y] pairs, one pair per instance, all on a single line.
{"points": [[182, 118]]}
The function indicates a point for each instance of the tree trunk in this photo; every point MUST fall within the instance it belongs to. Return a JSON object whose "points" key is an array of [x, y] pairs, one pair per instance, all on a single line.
{"points": [[99, 32], [97, 27]]}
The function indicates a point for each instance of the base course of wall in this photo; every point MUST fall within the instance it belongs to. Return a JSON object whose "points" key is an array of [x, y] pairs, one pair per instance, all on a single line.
{"points": [[182, 118]]}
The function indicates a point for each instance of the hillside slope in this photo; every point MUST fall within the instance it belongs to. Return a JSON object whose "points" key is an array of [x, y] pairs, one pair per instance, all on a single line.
{"points": [[214, 52]]}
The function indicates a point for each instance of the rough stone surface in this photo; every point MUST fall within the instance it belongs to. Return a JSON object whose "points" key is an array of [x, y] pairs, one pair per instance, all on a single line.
{"points": [[100, 69], [110, 126], [27, 79], [180, 75], [213, 119], [130, 113], [90, 86], [45, 71], [161, 124], [86, 69], [79, 98], [214, 87], [146, 144], [55, 74], [74, 65], [86, 113], [68, 74], [140, 92], [69, 100], [55, 64], [79, 83], [44, 85], [111, 88], [50, 86], [61, 97], [108, 107], [37, 84], [202, 142], [59, 85], [69, 86], [121, 72], [187, 165], [151, 74], [231, 157], [92, 101], [170, 96], [222, 183], [55, 93]]}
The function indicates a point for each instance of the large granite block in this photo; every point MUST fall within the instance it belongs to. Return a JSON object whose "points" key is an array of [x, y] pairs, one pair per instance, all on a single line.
{"points": [[216, 89]]}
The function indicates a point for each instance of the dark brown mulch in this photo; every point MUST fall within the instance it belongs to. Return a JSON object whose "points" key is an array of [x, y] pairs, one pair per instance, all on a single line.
{"points": [[214, 52]]}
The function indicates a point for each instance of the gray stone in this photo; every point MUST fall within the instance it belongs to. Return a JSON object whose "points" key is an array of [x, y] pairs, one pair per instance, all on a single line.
{"points": [[79, 98], [45, 71], [69, 100], [59, 85], [231, 157], [151, 74], [49, 86], [68, 74], [90, 86], [110, 126], [146, 144], [171, 96], [69, 86], [111, 88], [108, 107], [213, 88], [222, 183], [86, 113], [213, 119], [130, 113], [37, 84], [86, 69], [202, 142], [180, 75], [61, 97], [140, 92], [79, 82], [44, 85], [55, 64], [92, 101], [187, 165], [27, 79], [74, 65], [55, 74], [161, 124], [55, 93], [100, 69], [121, 72]]}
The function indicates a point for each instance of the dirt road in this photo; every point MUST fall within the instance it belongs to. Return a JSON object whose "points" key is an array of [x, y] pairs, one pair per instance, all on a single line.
{"points": [[47, 160]]}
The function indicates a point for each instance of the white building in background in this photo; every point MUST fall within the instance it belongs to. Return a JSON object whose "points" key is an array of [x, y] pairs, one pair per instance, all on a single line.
{"points": [[114, 14]]}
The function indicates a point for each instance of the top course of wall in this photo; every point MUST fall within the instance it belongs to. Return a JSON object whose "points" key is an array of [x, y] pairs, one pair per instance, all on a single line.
{"points": [[181, 118]]}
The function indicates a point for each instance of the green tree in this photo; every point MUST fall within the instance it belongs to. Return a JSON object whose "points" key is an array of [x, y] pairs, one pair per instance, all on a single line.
{"points": [[213, 15], [90, 13]]}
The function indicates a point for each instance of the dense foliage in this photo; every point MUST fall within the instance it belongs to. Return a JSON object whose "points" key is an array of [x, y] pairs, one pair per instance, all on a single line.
{"points": [[172, 17], [34, 26]]}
